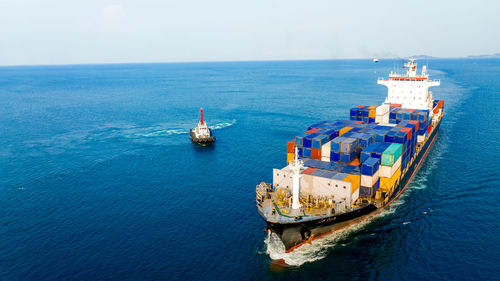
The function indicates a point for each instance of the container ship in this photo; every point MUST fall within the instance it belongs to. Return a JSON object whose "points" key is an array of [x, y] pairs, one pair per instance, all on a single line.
{"points": [[339, 172]]}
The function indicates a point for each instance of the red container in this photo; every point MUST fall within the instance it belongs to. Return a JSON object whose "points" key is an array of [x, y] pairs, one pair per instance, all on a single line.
{"points": [[316, 153], [429, 129], [290, 146], [360, 122], [407, 130], [313, 130], [414, 122], [411, 110], [360, 106], [396, 105], [309, 171]]}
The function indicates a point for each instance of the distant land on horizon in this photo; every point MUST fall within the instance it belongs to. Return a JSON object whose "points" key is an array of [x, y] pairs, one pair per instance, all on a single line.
{"points": [[418, 57]]}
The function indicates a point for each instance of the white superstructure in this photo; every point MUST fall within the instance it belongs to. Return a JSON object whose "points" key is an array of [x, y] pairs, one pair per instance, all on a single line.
{"points": [[201, 131], [411, 90]]}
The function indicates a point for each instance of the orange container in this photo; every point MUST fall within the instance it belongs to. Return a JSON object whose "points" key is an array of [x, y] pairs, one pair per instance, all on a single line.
{"points": [[290, 157], [309, 171], [316, 153], [408, 130], [372, 113], [290, 146], [441, 103], [411, 110], [436, 109], [355, 162], [360, 122], [344, 130], [396, 105], [313, 130]]}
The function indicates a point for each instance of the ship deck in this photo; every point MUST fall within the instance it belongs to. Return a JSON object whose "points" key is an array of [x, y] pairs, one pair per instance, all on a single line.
{"points": [[274, 210]]}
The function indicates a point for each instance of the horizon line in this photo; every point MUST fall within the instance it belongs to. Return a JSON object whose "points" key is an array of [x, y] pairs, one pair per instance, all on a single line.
{"points": [[236, 61]]}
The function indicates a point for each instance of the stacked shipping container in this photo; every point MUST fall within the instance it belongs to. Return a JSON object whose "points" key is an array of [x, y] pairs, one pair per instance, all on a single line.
{"points": [[369, 151]]}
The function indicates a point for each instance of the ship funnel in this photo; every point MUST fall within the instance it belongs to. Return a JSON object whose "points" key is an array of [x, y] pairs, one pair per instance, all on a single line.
{"points": [[201, 116]]}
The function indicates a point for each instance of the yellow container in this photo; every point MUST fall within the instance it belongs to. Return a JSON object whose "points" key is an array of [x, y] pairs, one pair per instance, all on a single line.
{"points": [[344, 130], [372, 107], [355, 181], [387, 183], [290, 157], [372, 113]]}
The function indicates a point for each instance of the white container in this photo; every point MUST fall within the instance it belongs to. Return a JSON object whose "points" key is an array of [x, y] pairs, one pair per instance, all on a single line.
{"points": [[383, 109], [421, 138], [388, 171], [369, 181], [325, 151], [325, 159]]}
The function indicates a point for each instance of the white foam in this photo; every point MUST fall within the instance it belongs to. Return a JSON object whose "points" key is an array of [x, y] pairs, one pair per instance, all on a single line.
{"points": [[223, 125], [155, 132], [318, 249]]}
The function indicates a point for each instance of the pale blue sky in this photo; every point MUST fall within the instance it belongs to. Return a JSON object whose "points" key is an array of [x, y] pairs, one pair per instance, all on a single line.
{"points": [[71, 32]]}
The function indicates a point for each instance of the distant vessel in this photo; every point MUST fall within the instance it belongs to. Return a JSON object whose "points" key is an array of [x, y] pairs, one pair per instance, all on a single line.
{"points": [[341, 171], [375, 60], [202, 134]]}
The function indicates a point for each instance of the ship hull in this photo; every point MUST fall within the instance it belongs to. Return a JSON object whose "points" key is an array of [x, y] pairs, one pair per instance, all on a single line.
{"points": [[294, 235]]}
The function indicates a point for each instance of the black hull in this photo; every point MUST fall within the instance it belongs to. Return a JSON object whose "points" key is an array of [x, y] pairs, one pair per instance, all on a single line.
{"points": [[295, 234], [202, 141]]}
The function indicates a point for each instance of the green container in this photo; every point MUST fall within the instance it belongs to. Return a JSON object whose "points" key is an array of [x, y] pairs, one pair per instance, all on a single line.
{"points": [[391, 154]]}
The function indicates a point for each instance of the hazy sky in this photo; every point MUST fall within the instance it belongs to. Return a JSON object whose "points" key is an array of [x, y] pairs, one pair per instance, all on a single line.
{"points": [[90, 31]]}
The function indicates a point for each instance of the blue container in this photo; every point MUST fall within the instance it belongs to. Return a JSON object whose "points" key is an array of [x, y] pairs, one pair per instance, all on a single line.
{"points": [[365, 192], [390, 136], [332, 134], [370, 166], [347, 157], [401, 137], [348, 145], [380, 136], [347, 135], [307, 141], [365, 140], [392, 121], [399, 115], [299, 151], [299, 139], [354, 112], [335, 144], [352, 118], [392, 115], [334, 156], [319, 173], [422, 116], [318, 141], [347, 169], [371, 120], [340, 176], [307, 152], [324, 165]]}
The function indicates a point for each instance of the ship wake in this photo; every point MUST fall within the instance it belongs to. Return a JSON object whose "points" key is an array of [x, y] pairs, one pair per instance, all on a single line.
{"points": [[156, 132]]}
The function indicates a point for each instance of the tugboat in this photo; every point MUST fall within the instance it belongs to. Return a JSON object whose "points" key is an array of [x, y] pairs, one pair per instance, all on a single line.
{"points": [[202, 134]]}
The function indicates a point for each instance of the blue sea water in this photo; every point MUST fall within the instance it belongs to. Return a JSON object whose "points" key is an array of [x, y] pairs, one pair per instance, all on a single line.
{"points": [[99, 180]]}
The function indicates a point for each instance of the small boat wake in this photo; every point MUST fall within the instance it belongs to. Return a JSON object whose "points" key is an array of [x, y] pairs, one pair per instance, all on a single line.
{"points": [[157, 132], [319, 248]]}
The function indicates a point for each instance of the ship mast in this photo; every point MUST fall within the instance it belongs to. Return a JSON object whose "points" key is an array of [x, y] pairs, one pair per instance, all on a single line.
{"points": [[296, 166]]}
